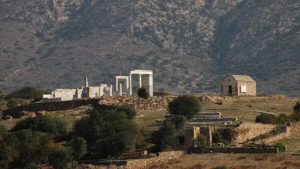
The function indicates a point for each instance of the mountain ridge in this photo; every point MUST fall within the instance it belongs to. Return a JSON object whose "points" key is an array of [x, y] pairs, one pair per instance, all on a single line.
{"points": [[191, 45]]}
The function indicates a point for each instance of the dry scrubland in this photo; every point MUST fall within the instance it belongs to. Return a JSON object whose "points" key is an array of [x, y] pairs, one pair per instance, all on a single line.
{"points": [[245, 108], [234, 161]]}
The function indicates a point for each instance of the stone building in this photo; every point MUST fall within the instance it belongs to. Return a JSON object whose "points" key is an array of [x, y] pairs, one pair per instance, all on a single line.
{"points": [[85, 91], [238, 85]]}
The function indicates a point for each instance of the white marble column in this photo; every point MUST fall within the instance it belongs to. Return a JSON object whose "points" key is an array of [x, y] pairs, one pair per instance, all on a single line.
{"points": [[151, 85], [121, 90], [140, 80], [130, 84]]}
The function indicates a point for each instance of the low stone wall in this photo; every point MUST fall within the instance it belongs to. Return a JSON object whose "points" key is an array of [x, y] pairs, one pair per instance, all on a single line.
{"points": [[248, 131], [246, 150], [275, 138], [163, 158], [49, 106], [151, 104]]}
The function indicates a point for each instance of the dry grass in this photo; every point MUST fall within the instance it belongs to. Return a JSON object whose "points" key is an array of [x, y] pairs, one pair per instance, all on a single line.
{"points": [[146, 118], [247, 108], [237, 161]]}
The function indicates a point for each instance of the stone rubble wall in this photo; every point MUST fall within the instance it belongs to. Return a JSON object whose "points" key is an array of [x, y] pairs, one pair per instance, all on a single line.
{"points": [[275, 138], [163, 158], [150, 104], [248, 131], [295, 128]]}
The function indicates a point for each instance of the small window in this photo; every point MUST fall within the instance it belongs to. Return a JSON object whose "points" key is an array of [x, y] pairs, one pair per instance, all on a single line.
{"points": [[243, 89]]}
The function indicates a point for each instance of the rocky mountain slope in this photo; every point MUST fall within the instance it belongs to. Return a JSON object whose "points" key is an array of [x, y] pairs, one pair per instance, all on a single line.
{"points": [[190, 44]]}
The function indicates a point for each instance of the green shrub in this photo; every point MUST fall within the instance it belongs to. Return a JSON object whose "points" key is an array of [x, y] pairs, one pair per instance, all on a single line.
{"points": [[48, 124], [61, 158], [7, 155], [202, 142], [78, 146], [32, 166], [297, 107], [2, 95], [296, 114], [179, 122], [128, 110], [110, 130], [168, 135], [3, 131], [26, 93], [187, 106], [280, 146], [283, 119], [267, 119], [143, 93], [27, 146]]}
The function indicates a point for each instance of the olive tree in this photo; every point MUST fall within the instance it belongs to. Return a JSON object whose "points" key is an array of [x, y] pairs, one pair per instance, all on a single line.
{"points": [[187, 106]]}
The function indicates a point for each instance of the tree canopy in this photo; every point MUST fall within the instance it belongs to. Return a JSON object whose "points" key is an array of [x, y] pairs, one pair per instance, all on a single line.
{"points": [[128, 110], [187, 106], [110, 130], [47, 124], [26, 93]]}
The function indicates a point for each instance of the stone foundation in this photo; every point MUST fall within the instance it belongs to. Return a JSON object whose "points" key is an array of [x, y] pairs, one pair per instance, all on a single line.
{"points": [[151, 104], [248, 131], [163, 158]]}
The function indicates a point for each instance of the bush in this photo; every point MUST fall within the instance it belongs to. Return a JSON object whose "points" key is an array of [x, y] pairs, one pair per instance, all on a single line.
{"points": [[143, 93], [296, 114], [202, 142], [7, 155], [168, 135], [32, 166], [26, 93], [297, 108], [12, 104], [187, 106], [128, 110], [283, 119], [179, 122], [2, 95], [109, 130], [27, 146], [267, 119], [78, 146], [47, 124], [61, 158], [3, 131]]}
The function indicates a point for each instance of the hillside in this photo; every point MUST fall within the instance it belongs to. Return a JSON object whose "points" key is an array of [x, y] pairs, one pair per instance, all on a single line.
{"points": [[190, 45]]}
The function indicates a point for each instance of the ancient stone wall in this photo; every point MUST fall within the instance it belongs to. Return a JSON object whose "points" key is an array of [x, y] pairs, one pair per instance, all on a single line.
{"points": [[248, 131], [151, 104], [275, 138], [247, 150], [49, 106], [163, 158]]}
